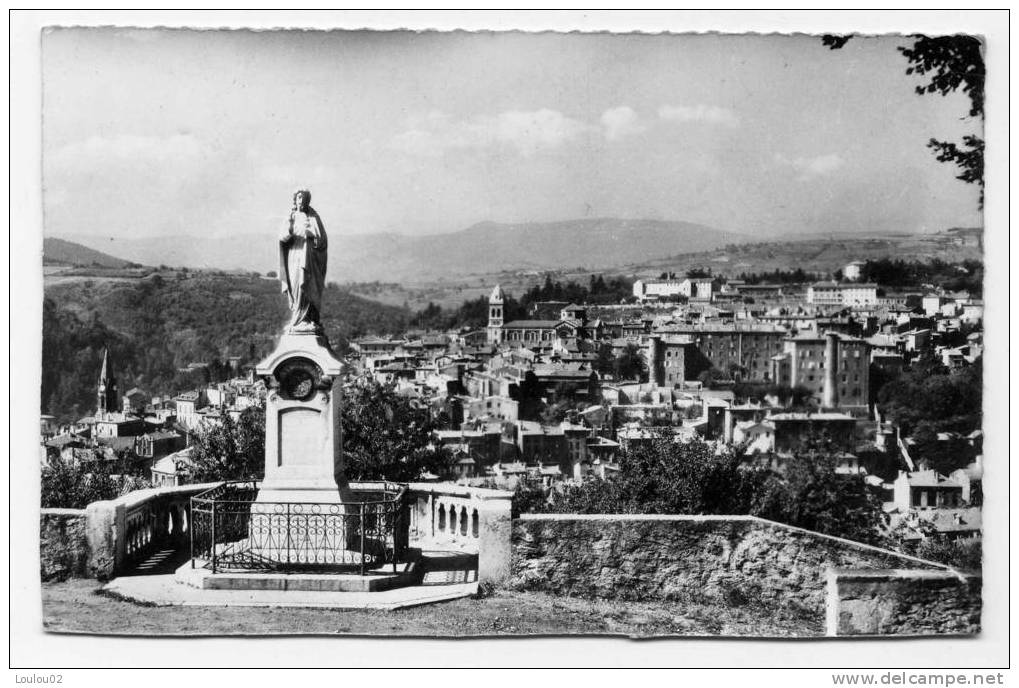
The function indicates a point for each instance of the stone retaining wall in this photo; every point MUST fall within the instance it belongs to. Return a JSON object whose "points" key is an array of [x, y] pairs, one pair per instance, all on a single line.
{"points": [[735, 559], [896, 602], [63, 544]]}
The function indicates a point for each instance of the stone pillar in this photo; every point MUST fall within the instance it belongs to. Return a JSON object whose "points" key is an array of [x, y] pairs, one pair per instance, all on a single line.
{"points": [[495, 536], [100, 524], [831, 369], [303, 439]]}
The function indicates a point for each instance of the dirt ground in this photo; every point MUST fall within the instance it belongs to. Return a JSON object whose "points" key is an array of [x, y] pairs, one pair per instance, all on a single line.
{"points": [[79, 606]]}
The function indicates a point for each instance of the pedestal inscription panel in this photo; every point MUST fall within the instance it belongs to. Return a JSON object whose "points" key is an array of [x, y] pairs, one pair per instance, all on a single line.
{"points": [[300, 437]]}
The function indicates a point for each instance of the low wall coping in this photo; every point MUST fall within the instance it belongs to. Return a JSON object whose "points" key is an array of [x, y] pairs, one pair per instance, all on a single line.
{"points": [[734, 518], [141, 496], [53, 511], [878, 575], [453, 490], [638, 517]]}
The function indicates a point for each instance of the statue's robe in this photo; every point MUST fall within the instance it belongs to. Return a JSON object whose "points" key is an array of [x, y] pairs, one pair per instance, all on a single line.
{"points": [[303, 268]]}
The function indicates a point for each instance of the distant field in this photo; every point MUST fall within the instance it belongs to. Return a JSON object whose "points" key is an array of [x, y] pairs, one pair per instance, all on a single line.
{"points": [[820, 255]]}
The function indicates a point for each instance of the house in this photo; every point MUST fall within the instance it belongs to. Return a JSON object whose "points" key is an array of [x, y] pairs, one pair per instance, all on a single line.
{"points": [[925, 490], [170, 469], [851, 271]]}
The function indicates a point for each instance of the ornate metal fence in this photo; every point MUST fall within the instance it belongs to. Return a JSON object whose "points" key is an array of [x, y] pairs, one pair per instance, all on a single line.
{"points": [[231, 530]]}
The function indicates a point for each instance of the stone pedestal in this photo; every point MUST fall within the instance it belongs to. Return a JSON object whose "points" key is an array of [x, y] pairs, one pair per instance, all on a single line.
{"points": [[303, 439]]}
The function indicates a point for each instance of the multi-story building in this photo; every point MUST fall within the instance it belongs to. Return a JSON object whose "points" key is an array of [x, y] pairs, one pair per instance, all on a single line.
{"points": [[834, 367], [845, 294], [743, 350], [696, 288]]}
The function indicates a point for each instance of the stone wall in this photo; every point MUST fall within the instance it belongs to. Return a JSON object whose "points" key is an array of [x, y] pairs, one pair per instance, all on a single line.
{"points": [[735, 559], [896, 602], [63, 544]]}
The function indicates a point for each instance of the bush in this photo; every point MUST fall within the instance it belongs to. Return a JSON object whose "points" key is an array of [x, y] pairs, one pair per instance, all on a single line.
{"points": [[68, 485], [961, 554], [697, 478]]}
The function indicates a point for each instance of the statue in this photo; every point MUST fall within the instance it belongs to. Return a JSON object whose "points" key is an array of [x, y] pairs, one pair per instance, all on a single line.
{"points": [[303, 264]]}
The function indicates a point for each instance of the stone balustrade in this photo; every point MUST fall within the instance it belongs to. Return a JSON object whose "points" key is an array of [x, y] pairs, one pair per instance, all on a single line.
{"points": [[109, 537], [124, 531], [472, 520]]}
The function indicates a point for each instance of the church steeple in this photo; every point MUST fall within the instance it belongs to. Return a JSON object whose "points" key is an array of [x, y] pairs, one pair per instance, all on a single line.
{"points": [[107, 388]]}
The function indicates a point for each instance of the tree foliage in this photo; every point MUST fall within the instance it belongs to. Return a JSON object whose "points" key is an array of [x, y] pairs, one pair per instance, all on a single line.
{"points": [[962, 554], [778, 276], [698, 478], [388, 437], [951, 63], [231, 450], [630, 364], [966, 275], [931, 398], [71, 485]]}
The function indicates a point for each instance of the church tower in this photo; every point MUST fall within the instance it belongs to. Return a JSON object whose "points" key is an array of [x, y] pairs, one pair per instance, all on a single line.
{"points": [[495, 306], [107, 391]]}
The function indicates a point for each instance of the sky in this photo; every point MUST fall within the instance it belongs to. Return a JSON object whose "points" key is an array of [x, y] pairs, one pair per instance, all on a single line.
{"points": [[159, 132]]}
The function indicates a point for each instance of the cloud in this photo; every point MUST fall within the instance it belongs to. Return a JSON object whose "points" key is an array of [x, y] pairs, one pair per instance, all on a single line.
{"points": [[809, 168], [710, 114], [174, 149], [620, 122], [526, 131]]}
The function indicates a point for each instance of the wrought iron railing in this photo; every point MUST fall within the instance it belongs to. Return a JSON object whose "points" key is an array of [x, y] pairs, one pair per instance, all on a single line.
{"points": [[232, 530]]}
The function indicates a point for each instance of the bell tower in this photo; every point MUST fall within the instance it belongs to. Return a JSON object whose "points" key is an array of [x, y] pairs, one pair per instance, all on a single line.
{"points": [[496, 301], [106, 393]]}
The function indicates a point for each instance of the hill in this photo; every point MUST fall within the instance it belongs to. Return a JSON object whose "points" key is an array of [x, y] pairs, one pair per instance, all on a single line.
{"points": [[481, 249], [61, 252], [155, 327], [823, 255]]}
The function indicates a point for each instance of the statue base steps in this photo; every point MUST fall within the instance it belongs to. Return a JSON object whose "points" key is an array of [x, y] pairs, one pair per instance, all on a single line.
{"points": [[376, 580]]}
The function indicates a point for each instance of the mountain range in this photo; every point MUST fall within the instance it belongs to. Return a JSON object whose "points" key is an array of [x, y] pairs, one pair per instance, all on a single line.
{"points": [[595, 243]]}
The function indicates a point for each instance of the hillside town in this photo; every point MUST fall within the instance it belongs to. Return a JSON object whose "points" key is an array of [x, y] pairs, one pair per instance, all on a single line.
{"points": [[560, 396]]}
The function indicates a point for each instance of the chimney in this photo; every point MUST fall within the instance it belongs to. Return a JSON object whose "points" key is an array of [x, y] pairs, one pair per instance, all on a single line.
{"points": [[831, 369]]}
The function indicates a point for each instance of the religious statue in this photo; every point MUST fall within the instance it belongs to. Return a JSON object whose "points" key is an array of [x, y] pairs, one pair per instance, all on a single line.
{"points": [[303, 264]]}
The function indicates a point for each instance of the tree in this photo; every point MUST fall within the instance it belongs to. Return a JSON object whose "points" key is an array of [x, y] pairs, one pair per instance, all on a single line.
{"points": [[629, 363], [74, 485], [230, 450], [697, 478], [387, 437], [953, 63], [812, 495], [946, 401]]}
